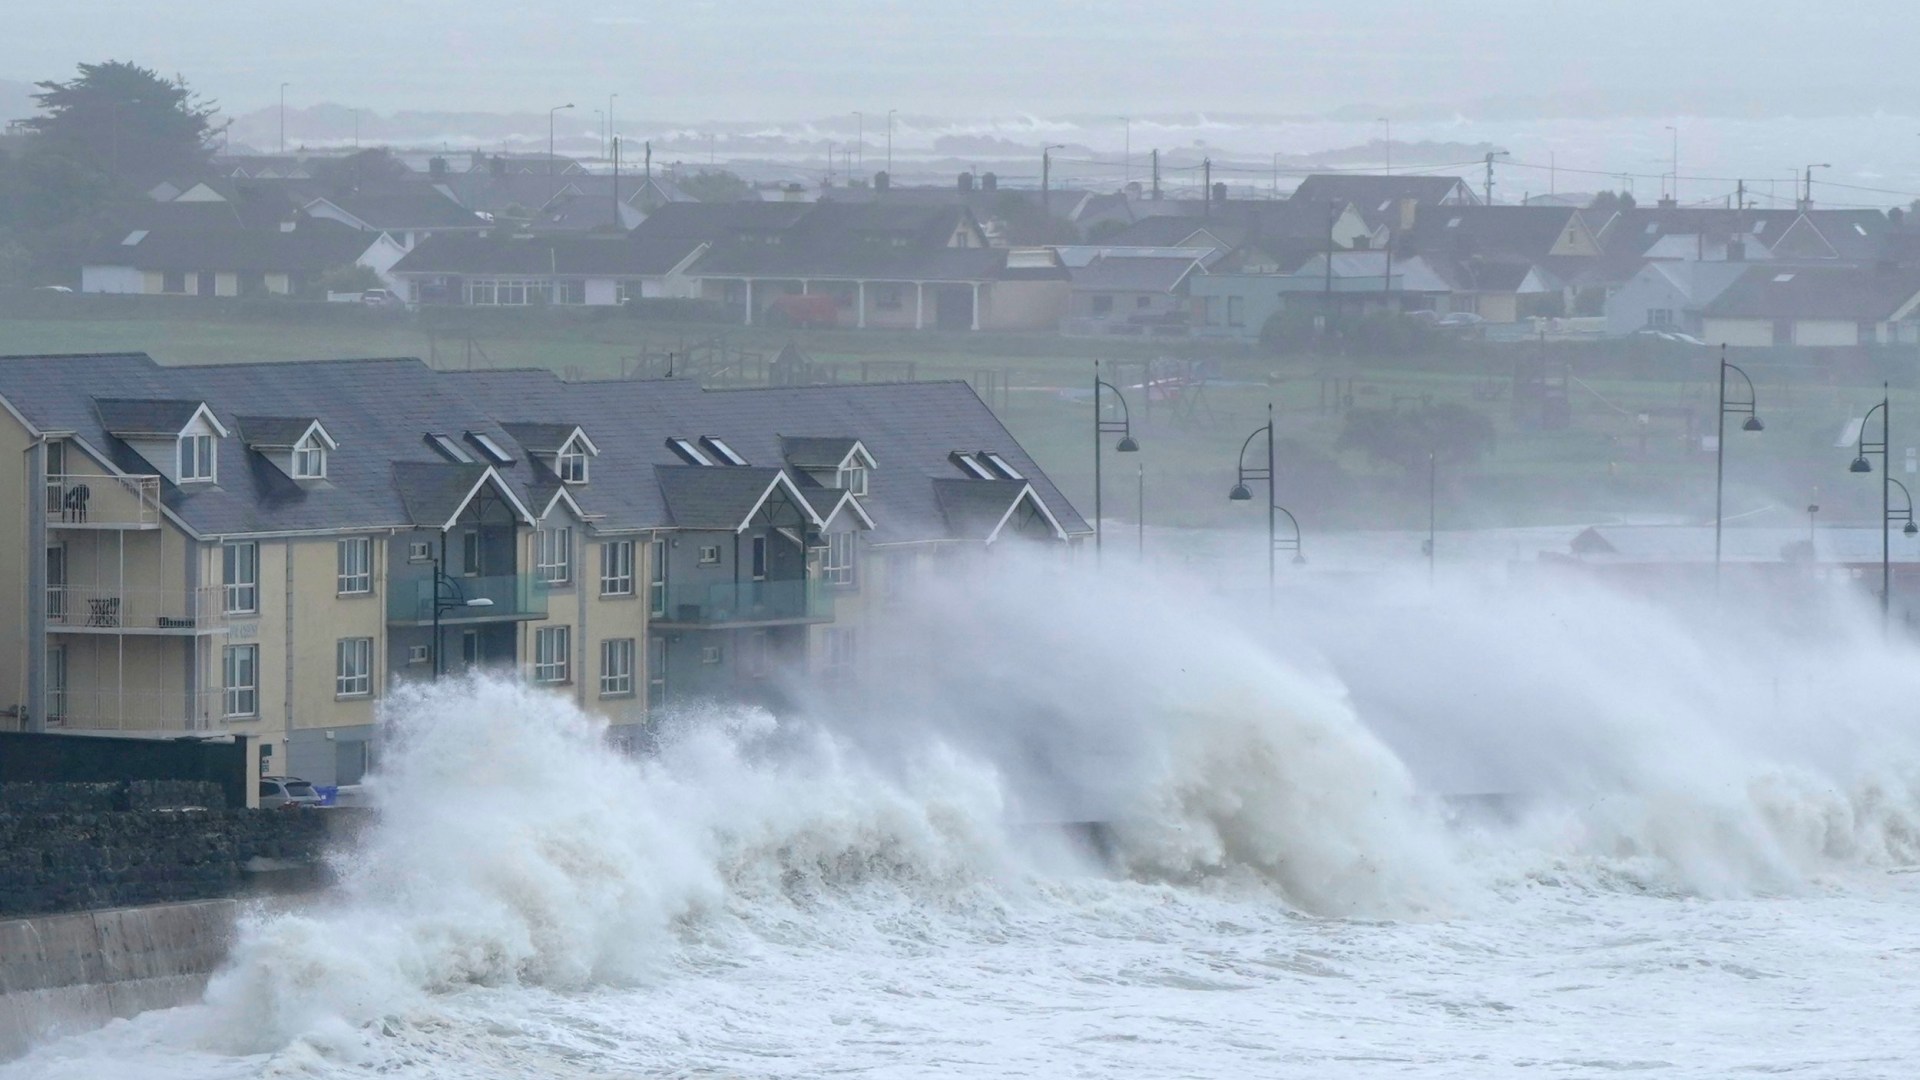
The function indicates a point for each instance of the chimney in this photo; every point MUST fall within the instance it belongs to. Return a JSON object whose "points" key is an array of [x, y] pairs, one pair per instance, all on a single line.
{"points": [[1667, 202], [989, 182], [1220, 192], [966, 181], [497, 165], [437, 167]]}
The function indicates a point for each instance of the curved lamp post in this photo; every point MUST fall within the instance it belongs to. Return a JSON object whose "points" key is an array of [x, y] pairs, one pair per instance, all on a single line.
{"points": [[1122, 427], [447, 596], [1241, 493], [1753, 423], [1888, 515]]}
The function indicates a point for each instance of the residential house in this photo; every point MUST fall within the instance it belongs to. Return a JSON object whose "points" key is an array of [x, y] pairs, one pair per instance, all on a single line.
{"points": [[1389, 204], [515, 271], [231, 261], [408, 213], [1669, 295], [1816, 306], [266, 551], [1351, 284], [1116, 294], [1506, 262]]}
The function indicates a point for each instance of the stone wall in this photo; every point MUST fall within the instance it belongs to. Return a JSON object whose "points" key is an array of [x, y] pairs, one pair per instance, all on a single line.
{"points": [[63, 974], [71, 847]]}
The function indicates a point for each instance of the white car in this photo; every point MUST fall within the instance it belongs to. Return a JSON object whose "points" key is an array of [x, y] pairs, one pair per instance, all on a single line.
{"points": [[1460, 318], [287, 793]]}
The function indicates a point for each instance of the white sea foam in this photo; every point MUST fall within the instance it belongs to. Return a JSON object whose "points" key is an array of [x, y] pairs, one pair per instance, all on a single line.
{"points": [[867, 891]]}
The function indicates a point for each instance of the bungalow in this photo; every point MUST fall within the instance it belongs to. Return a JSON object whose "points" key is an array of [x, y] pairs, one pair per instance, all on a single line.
{"points": [[1119, 294], [231, 262], [1669, 295], [502, 271], [1815, 306], [407, 212]]}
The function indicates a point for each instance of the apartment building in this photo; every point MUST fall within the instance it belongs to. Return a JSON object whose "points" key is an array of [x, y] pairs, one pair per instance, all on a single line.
{"points": [[269, 549]]}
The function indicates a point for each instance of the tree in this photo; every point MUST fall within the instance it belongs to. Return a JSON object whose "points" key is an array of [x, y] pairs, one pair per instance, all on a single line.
{"points": [[717, 185], [1612, 201], [125, 121], [1457, 434]]}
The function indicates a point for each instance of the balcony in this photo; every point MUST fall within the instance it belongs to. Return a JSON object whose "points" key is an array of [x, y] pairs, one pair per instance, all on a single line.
{"points": [[133, 709], [512, 598], [108, 609], [745, 603], [96, 501]]}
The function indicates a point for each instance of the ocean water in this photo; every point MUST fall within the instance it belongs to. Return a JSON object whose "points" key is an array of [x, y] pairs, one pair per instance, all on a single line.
{"points": [[1689, 870]]}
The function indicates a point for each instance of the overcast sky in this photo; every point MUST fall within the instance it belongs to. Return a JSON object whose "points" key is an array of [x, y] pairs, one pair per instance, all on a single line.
{"points": [[742, 59]]}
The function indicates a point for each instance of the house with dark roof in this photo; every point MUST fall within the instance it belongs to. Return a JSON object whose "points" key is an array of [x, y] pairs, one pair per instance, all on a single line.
{"points": [[266, 550], [231, 261], [500, 270], [1815, 306], [1669, 294], [1121, 294], [1390, 204], [866, 265], [406, 212]]}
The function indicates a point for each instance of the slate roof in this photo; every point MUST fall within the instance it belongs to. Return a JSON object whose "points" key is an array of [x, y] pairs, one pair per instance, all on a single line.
{"points": [[385, 473], [313, 247], [611, 256], [1127, 274], [1774, 291], [145, 416], [273, 431], [540, 438], [974, 508], [406, 206], [711, 497], [1172, 231], [1367, 192], [1526, 231], [815, 451], [713, 222]]}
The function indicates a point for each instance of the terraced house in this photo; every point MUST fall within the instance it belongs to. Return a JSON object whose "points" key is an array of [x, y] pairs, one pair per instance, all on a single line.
{"points": [[268, 549]]}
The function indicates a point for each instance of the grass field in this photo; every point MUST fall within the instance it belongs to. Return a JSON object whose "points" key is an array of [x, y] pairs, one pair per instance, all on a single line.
{"points": [[1625, 451]]}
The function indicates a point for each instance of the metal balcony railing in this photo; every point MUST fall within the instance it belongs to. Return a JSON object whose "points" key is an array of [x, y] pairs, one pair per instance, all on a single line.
{"points": [[111, 609], [508, 596], [111, 708], [747, 602], [97, 501]]}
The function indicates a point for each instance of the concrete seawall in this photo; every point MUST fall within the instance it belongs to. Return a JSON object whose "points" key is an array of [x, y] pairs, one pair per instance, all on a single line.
{"points": [[62, 974]]}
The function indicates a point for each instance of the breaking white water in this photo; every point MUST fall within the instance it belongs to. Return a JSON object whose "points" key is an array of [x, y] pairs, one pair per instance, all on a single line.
{"points": [[1704, 877]]}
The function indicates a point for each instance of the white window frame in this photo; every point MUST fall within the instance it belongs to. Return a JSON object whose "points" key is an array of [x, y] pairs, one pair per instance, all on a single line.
{"points": [[353, 566], [196, 451], [839, 649], [310, 459], [553, 554], [759, 558], [656, 671], [657, 578], [616, 667], [705, 559], [473, 554], [570, 464], [837, 565], [419, 551], [759, 659], [353, 668], [854, 479], [551, 653], [240, 681], [241, 583], [616, 568], [711, 654]]}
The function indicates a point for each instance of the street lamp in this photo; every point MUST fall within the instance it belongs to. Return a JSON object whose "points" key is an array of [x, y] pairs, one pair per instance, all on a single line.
{"points": [[1720, 447], [550, 113], [1241, 493], [1676, 161], [1389, 142], [1122, 427], [448, 596], [1126, 153], [1887, 514]]}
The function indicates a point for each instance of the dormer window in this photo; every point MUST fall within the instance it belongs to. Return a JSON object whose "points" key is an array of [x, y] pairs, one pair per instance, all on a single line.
{"points": [[310, 459], [854, 479], [196, 459], [571, 464]]}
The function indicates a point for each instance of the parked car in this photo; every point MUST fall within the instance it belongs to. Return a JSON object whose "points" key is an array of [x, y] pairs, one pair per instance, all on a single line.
{"points": [[287, 793], [1460, 318], [380, 298]]}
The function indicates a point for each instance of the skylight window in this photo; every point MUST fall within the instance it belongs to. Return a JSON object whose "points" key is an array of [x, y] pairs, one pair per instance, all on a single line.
{"points": [[721, 450], [494, 451], [448, 448], [999, 465], [1453, 223], [1859, 228], [1781, 279], [687, 450], [972, 467], [134, 237]]}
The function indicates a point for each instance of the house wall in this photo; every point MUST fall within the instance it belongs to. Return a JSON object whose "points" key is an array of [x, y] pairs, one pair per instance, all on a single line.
{"points": [[602, 292], [1024, 305], [112, 279], [226, 283], [1126, 305], [279, 284], [612, 617], [1826, 332], [17, 542], [1498, 307], [1631, 308], [1738, 333]]}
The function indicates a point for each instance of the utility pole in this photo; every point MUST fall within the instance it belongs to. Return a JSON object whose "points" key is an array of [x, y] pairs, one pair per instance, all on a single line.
{"points": [[1156, 173], [1489, 187], [890, 113], [616, 181], [648, 146], [1046, 178], [860, 137], [1206, 171], [283, 117]]}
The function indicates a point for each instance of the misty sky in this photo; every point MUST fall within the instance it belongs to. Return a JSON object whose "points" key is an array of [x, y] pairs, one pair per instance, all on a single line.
{"points": [[776, 59]]}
